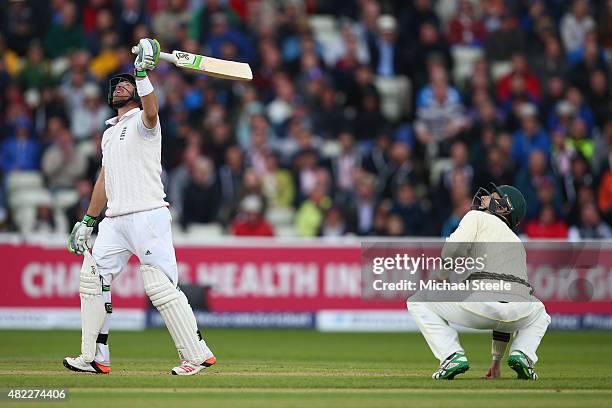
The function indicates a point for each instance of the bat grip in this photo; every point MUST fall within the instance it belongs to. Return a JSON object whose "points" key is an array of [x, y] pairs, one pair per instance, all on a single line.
{"points": [[164, 56]]}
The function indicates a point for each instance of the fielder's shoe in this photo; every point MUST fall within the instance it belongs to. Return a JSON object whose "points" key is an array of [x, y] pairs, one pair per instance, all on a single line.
{"points": [[455, 364], [188, 368], [519, 362], [79, 365]]}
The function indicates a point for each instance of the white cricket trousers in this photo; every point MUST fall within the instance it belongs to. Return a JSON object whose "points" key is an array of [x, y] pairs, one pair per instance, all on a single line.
{"points": [[146, 234], [528, 320]]}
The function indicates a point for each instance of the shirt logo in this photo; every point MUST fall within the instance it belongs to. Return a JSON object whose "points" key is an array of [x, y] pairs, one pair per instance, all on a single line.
{"points": [[122, 135]]}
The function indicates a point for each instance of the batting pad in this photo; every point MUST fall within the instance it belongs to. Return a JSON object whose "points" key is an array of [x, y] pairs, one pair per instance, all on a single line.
{"points": [[174, 308], [93, 311]]}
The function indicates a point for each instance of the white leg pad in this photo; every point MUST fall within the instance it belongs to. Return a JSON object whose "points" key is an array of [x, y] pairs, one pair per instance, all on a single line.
{"points": [[93, 311], [174, 308]]}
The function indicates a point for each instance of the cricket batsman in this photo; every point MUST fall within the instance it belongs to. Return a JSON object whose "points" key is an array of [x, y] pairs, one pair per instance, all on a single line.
{"points": [[137, 223], [486, 231]]}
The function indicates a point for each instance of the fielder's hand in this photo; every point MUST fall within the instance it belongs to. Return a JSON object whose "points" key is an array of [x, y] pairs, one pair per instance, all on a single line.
{"points": [[148, 56], [79, 237]]}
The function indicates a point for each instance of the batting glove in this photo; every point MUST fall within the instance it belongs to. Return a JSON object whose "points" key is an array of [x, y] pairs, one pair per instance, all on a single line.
{"points": [[80, 235], [148, 56]]}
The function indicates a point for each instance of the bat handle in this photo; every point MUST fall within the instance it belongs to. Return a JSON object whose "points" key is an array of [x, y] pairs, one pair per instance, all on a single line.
{"points": [[164, 56]]}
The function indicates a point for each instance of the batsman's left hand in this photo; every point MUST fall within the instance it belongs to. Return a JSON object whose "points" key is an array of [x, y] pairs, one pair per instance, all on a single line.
{"points": [[80, 235], [148, 55]]}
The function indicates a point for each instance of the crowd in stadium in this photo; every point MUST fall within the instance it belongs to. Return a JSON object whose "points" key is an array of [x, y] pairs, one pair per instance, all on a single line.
{"points": [[364, 117]]}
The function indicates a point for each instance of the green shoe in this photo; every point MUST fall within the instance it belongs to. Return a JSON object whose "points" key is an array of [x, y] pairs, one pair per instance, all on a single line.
{"points": [[523, 365], [455, 364]]}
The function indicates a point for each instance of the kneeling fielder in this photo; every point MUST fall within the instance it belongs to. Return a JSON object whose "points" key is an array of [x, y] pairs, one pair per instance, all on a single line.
{"points": [[137, 223], [487, 229]]}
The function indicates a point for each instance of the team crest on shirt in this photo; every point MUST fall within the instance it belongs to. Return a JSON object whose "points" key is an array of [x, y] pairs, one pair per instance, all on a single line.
{"points": [[122, 135]]}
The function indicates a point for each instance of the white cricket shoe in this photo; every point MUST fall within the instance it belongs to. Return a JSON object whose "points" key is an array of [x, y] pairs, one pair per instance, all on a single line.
{"points": [[79, 365], [188, 368]]}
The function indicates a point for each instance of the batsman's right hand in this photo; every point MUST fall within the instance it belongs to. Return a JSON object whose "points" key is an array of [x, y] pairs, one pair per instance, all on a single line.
{"points": [[148, 55], [80, 235]]}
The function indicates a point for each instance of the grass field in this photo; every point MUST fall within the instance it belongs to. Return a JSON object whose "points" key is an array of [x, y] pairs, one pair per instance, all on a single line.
{"points": [[269, 368]]}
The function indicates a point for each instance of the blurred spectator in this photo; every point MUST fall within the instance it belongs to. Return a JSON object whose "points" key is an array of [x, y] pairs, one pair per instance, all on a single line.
{"points": [[497, 169], [277, 183], [591, 225], [547, 225], [250, 221], [201, 22], [360, 209], [179, 177], [20, 151], [520, 72], [309, 216], [168, 20], [345, 164], [89, 118], [394, 226], [465, 28], [439, 117], [551, 62], [387, 55], [431, 46], [200, 198], [599, 97], [529, 137], [578, 138], [458, 164], [333, 224], [62, 163], [45, 221], [587, 60], [602, 158], [459, 210], [531, 179], [24, 22], [35, 72], [407, 205], [504, 41], [575, 24], [66, 35], [131, 14], [107, 59], [604, 195], [76, 212], [222, 33]]}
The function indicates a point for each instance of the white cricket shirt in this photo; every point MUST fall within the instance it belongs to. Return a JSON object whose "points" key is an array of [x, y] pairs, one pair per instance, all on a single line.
{"points": [[131, 156]]}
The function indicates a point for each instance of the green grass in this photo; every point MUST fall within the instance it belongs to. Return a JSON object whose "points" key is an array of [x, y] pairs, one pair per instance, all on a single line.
{"points": [[270, 368]]}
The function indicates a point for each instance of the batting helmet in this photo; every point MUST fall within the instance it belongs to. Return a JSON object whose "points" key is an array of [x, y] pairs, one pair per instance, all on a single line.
{"points": [[112, 84]]}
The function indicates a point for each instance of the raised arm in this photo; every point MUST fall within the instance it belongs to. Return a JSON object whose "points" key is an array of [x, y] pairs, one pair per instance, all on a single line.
{"points": [[146, 60]]}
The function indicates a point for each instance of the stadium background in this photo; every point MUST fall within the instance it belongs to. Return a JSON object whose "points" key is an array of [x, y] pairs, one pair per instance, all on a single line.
{"points": [[365, 119]]}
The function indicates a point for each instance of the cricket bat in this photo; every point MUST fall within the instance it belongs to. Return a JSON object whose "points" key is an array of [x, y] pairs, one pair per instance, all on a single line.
{"points": [[236, 71]]}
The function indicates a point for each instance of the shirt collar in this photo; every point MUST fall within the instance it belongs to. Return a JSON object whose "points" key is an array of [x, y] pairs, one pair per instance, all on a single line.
{"points": [[113, 121]]}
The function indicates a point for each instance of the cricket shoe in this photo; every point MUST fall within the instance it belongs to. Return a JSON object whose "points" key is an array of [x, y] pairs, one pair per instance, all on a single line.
{"points": [[455, 364], [188, 368], [81, 366], [519, 362]]}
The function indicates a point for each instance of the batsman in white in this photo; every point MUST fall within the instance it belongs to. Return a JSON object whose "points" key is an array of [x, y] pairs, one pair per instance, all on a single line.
{"points": [[137, 223], [486, 231]]}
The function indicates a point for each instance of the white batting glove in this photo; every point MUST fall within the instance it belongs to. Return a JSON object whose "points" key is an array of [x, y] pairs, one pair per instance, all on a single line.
{"points": [[80, 235], [148, 56]]}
